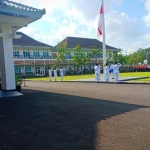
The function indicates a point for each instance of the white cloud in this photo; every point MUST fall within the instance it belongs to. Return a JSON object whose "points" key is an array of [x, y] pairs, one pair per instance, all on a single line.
{"points": [[146, 18], [79, 18], [147, 37]]}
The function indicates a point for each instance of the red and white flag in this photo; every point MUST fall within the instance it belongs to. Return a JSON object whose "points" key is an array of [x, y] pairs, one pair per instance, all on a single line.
{"points": [[100, 22]]}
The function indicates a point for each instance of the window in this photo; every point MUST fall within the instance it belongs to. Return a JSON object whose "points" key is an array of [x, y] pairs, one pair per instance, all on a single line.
{"points": [[17, 69], [45, 53], [36, 53], [27, 68], [37, 69], [16, 52], [89, 55], [26, 53], [68, 56]]}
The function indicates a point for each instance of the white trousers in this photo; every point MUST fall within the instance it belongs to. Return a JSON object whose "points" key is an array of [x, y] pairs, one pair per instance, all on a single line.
{"points": [[116, 77], [55, 76], [112, 75], [97, 77], [62, 77], [50, 77]]}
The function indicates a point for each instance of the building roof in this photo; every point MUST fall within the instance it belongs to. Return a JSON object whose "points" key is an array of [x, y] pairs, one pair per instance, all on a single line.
{"points": [[27, 41], [21, 7], [85, 43], [18, 15]]}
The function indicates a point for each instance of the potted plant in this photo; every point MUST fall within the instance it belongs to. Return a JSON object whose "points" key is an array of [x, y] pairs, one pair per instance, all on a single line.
{"points": [[19, 82]]}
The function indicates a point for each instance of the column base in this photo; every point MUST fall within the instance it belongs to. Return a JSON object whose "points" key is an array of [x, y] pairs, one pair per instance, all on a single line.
{"points": [[5, 93]]}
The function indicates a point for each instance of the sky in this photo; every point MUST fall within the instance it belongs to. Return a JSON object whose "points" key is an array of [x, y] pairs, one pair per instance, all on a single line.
{"points": [[127, 22]]}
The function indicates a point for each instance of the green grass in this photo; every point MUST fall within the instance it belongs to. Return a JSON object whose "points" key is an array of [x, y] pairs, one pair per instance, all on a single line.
{"points": [[142, 80], [66, 78], [76, 77], [135, 74]]}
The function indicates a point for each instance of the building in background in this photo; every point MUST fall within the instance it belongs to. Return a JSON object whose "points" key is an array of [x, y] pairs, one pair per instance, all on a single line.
{"points": [[34, 57], [86, 44], [31, 56]]}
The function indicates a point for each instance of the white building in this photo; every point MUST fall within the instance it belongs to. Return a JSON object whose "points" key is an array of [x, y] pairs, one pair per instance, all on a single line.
{"points": [[32, 57]]}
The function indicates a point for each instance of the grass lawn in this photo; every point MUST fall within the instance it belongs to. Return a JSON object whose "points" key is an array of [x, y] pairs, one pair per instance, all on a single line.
{"points": [[76, 77], [137, 74], [66, 78]]}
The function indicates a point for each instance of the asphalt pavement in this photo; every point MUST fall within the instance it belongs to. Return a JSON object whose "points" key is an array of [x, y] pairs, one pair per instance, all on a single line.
{"points": [[76, 116]]}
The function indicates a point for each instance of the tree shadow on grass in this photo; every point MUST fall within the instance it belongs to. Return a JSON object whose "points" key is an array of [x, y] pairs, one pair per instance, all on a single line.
{"points": [[49, 121]]}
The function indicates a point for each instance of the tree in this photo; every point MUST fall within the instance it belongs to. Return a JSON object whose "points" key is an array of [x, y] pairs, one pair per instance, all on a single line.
{"points": [[137, 57], [109, 56], [147, 54], [79, 57], [119, 57], [62, 52], [95, 53]]}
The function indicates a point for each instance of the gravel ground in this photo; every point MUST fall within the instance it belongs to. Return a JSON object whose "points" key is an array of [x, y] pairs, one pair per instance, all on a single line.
{"points": [[76, 116]]}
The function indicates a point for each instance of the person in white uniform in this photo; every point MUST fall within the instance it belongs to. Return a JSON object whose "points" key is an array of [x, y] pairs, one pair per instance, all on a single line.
{"points": [[97, 72], [106, 72], [111, 70], [94, 71], [50, 74], [55, 74], [116, 71], [62, 73]]}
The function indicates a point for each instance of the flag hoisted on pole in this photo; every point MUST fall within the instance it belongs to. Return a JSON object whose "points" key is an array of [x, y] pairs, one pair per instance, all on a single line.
{"points": [[101, 30]]}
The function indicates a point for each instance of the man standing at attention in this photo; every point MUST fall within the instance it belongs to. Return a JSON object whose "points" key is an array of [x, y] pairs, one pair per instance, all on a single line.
{"points": [[111, 70], [116, 71], [62, 72], [106, 72], [97, 72], [50, 74], [55, 74]]}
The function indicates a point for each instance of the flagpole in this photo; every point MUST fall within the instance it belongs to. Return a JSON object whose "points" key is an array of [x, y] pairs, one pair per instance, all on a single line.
{"points": [[103, 31]]}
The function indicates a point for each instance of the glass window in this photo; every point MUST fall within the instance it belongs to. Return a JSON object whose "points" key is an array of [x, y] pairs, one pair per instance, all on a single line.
{"points": [[17, 69], [68, 56], [36, 53], [27, 68], [45, 53], [16, 53], [26, 53]]}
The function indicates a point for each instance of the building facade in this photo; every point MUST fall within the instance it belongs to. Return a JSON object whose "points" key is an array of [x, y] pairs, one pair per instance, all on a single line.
{"points": [[34, 57], [31, 56]]}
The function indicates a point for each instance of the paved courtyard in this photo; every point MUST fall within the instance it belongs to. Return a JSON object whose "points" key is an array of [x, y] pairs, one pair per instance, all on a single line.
{"points": [[76, 116]]}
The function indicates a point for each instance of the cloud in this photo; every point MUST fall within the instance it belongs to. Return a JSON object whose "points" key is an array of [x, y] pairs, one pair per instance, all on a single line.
{"points": [[121, 30], [146, 18], [79, 18], [147, 37]]}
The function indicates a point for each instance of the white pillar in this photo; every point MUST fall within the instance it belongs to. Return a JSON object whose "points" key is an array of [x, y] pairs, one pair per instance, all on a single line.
{"points": [[6, 59], [103, 31]]}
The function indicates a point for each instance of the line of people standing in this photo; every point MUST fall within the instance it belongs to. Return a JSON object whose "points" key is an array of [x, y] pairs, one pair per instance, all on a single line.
{"points": [[55, 71], [113, 70]]}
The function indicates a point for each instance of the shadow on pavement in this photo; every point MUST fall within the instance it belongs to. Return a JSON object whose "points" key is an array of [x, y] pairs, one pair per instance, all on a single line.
{"points": [[49, 121]]}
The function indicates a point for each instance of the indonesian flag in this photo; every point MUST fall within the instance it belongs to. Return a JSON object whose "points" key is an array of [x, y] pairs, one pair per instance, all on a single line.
{"points": [[100, 22]]}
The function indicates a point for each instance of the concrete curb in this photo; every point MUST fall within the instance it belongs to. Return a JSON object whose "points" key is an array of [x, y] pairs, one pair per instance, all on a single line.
{"points": [[103, 82]]}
